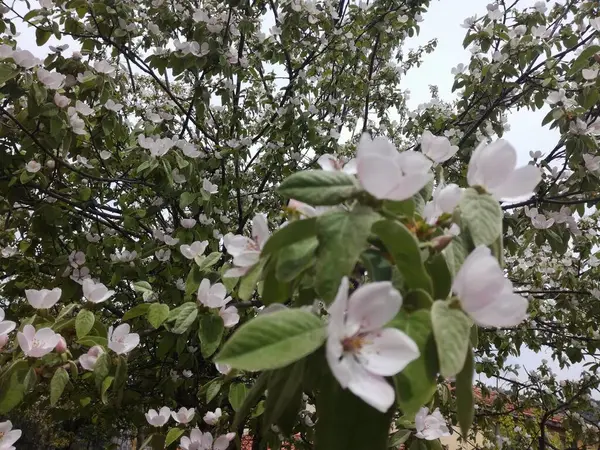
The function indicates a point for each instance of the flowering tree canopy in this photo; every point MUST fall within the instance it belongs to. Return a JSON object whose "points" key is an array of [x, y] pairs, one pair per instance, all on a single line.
{"points": [[222, 218]]}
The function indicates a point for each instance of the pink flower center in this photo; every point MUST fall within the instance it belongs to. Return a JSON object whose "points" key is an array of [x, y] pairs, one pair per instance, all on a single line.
{"points": [[353, 344], [253, 245], [338, 164]]}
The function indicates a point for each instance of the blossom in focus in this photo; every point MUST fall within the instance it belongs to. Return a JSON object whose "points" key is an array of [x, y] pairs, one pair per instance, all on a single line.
{"points": [[105, 68], [204, 441], [209, 187], [211, 418], [61, 101], [388, 174], [188, 223], [37, 343], [6, 326], [52, 80], [33, 166], [246, 251], [88, 360], [8, 436], [121, 341], [158, 419], [445, 200], [214, 296], [493, 167], [230, 316], [96, 292], [437, 148], [485, 294], [430, 426], [184, 415], [359, 351], [26, 59], [43, 298], [197, 248], [223, 369]]}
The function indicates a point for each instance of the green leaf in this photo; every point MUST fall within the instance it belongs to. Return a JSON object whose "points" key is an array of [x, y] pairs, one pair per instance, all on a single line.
{"points": [[583, 60], [90, 341], [142, 287], [120, 372], [186, 317], [193, 280], [417, 299], [84, 323], [136, 311], [295, 259], [248, 281], [465, 400], [57, 384], [404, 208], [157, 314], [273, 290], [399, 438], [7, 72], [12, 387], [342, 238], [318, 187], [210, 334], [417, 383], [404, 249], [273, 340], [251, 399], [346, 422], [378, 268], [106, 383], [65, 311], [237, 394], [451, 328], [41, 36], [456, 252], [285, 395], [186, 199], [213, 390], [209, 261], [440, 275], [295, 231], [101, 368], [482, 216], [173, 435]]}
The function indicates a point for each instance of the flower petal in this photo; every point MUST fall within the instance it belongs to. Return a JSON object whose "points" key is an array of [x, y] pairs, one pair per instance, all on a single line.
{"points": [[371, 306], [378, 175], [388, 352], [373, 389], [520, 182], [260, 229]]}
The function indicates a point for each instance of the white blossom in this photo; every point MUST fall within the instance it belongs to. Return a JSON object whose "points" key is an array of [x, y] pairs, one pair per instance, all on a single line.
{"points": [[430, 426], [158, 419], [492, 167], [360, 352], [43, 298], [52, 80], [121, 341], [485, 294], [37, 343]]}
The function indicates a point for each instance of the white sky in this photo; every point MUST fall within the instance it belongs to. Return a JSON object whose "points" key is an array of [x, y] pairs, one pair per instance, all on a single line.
{"points": [[441, 21]]}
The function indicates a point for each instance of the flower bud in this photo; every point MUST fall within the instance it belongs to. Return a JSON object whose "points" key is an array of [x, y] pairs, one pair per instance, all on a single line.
{"points": [[61, 347], [441, 242], [50, 164]]}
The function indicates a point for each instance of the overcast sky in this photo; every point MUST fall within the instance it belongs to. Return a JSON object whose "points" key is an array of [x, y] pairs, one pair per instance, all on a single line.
{"points": [[442, 21]]}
